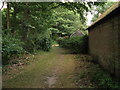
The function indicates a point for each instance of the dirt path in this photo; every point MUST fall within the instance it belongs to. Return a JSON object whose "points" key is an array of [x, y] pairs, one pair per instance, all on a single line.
{"points": [[55, 69]]}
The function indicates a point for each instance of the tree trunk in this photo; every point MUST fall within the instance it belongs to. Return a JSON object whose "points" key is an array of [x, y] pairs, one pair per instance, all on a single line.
{"points": [[15, 21], [8, 16], [25, 23]]}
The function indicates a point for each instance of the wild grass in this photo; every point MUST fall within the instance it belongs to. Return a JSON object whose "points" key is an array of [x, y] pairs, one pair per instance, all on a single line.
{"points": [[96, 74]]}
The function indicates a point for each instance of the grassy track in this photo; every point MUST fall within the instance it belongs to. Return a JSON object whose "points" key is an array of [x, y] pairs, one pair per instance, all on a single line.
{"points": [[51, 69], [56, 69]]}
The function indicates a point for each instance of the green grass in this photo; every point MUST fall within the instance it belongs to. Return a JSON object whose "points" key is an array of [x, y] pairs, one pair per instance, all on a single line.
{"points": [[70, 70], [45, 65], [32, 72]]}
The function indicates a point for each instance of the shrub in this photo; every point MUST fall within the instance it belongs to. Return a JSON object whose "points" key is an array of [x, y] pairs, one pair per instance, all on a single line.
{"points": [[75, 44], [44, 44], [35, 43], [11, 47]]}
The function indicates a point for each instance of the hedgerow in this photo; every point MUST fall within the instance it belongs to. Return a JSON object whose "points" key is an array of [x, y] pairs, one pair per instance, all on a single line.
{"points": [[75, 44]]}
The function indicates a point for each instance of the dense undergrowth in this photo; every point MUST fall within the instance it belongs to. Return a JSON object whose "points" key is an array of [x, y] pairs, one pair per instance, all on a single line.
{"points": [[103, 79], [78, 44], [13, 46], [97, 75]]}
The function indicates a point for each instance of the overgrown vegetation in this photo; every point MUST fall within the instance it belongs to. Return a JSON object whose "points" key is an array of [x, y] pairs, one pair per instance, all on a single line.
{"points": [[11, 47], [65, 22], [26, 30], [30, 26], [103, 79], [98, 76], [78, 44]]}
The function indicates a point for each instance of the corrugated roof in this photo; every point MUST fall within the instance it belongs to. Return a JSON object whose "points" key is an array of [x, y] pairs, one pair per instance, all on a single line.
{"points": [[107, 12]]}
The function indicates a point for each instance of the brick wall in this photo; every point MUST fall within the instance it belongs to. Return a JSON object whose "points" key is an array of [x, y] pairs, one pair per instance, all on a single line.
{"points": [[104, 44]]}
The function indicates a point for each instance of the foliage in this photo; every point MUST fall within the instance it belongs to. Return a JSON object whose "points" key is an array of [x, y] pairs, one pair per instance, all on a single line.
{"points": [[44, 44], [11, 47], [103, 79], [28, 26], [100, 9], [65, 22], [95, 73], [75, 44], [35, 24]]}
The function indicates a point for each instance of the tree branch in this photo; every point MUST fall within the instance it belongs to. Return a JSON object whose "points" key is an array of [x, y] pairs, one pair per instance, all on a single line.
{"points": [[2, 6]]}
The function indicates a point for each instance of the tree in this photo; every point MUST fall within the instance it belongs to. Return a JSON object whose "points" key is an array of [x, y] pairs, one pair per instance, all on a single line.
{"points": [[8, 16], [31, 25], [100, 9], [65, 22]]}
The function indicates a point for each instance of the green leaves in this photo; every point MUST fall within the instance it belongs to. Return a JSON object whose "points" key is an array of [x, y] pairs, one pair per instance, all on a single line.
{"points": [[65, 21], [11, 46], [34, 24], [75, 44], [102, 79], [100, 8]]}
